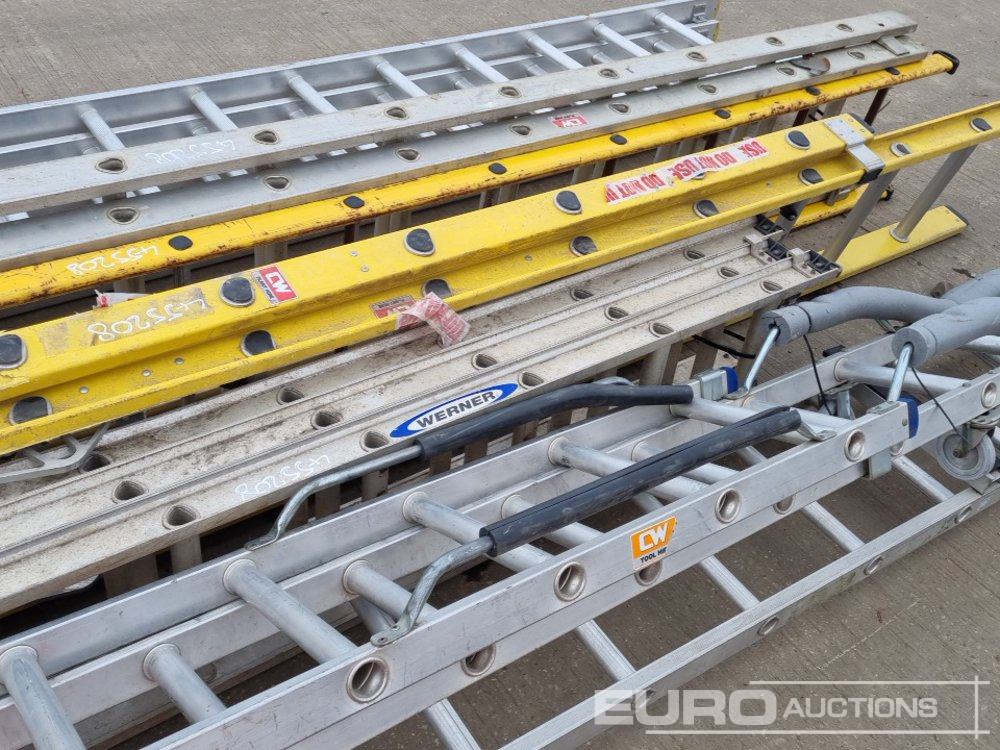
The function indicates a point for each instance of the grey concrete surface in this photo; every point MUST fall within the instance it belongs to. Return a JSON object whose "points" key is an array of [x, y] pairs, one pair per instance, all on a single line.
{"points": [[935, 615]]}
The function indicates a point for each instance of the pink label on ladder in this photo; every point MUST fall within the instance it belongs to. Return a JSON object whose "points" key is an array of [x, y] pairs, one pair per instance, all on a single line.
{"points": [[438, 314]]}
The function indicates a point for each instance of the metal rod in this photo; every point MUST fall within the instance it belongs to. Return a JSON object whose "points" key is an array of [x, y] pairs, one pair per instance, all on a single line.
{"points": [[314, 635], [425, 586], [449, 727], [165, 666], [212, 111], [758, 363], [362, 579], [859, 372], [867, 201], [830, 525], [902, 365], [390, 73], [610, 35], [309, 95], [459, 527], [667, 23], [43, 715], [598, 463], [547, 50], [922, 480], [339, 476], [728, 583], [477, 64], [902, 231]]}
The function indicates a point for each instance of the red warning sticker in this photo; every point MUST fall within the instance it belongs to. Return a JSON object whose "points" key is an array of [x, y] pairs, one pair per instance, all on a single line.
{"points": [[276, 287], [572, 120], [682, 170], [387, 307]]}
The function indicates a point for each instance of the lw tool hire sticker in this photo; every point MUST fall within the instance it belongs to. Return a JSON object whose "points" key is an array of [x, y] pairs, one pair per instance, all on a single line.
{"points": [[453, 409], [276, 287], [650, 544], [682, 170]]}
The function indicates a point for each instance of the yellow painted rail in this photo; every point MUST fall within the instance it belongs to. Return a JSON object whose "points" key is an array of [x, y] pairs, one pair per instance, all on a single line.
{"points": [[89, 368], [100, 267]]}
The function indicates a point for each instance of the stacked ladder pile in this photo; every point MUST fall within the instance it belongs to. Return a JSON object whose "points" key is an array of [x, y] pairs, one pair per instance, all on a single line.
{"points": [[598, 198]]}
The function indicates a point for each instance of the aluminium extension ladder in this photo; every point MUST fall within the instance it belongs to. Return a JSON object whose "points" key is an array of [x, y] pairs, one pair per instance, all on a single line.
{"points": [[268, 438], [655, 460], [81, 245]]}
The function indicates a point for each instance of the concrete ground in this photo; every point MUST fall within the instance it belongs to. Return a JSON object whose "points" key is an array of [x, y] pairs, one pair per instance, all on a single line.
{"points": [[935, 615]]}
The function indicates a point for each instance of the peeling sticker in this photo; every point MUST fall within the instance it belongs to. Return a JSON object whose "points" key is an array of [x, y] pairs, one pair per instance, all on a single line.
{"points": [[682, 170], [572, 120], [385, 308]]}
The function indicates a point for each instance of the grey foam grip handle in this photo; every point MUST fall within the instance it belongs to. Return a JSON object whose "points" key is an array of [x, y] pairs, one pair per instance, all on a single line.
{"points": [[949, 330], [986, 285], [606, 492], [497, 422], [852, 303]]}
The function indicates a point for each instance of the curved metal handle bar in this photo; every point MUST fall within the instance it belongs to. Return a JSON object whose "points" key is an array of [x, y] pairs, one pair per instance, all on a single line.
{"points": [[607, 392], [601, 494]]}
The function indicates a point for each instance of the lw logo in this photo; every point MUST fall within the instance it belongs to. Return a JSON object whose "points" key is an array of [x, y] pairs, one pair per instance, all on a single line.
{"points": [[650, 544], [274, 284]]}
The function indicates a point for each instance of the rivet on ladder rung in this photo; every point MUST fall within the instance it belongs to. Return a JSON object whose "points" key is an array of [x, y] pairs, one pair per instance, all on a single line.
{"points": [[442, 716]]}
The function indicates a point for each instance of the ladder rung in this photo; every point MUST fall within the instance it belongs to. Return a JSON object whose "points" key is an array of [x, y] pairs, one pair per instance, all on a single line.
{"points": [[442, 716], [36, 702], [461, 528], [165, 666], [81, 178], [298, 622], [599, 463]]}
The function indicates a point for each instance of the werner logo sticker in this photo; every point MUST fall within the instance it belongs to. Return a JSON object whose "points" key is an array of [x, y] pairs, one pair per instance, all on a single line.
{"points": [[650, 544], [682, 170], [573, 120], [276, 287], [451, 410]]}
